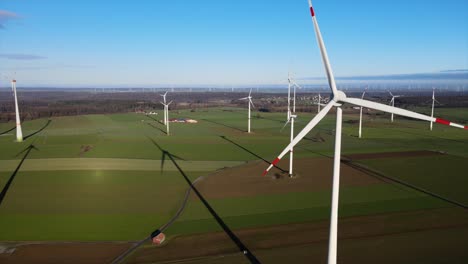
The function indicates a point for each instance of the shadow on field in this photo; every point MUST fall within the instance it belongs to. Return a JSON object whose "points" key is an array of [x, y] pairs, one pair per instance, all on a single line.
{"points": [[250, 152], [224, 125], [154, 119], [12, 177], [389, 180], [242, 248], [40, 130], [270, 119], [9, 130], [155, 127]]}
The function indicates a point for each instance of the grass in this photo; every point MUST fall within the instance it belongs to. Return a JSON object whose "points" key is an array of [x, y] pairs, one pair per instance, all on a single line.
{"points": [[440, 174], [115, 191]]}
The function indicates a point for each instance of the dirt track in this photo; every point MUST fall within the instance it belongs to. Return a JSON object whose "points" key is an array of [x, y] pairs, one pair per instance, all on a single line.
{"points": [[312, 175]]}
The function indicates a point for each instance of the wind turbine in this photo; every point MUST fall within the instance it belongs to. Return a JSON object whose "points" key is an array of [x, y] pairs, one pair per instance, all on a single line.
{"points": [[339, 98], [166, 116], [360, 115], [291, 117], [392, 102], [164, 103], [319, 103], [250, 105], [433, 103], [19, 132]]}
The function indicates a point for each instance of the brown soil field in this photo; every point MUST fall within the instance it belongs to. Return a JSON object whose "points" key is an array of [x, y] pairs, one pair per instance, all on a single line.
{"points": [[386, 155], [60, 253], [311, 175], [275, 244], [277, 238]]}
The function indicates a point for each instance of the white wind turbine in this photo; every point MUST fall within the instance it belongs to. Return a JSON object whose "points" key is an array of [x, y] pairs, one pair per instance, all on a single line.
{"points": [[250, 105], [360, 115], [19, 131], [166, 116], [165, 111], [319, 102], [291, 117], [392, 102], [433, 103], [337, 100]]}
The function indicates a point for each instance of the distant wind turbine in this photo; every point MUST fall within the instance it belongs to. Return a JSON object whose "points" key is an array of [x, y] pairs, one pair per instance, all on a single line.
{"points": [[360, 115], [19, 132], [433, 104], [166, 116], [250, 103], [291, 117], [164, 103], [392, 102]]}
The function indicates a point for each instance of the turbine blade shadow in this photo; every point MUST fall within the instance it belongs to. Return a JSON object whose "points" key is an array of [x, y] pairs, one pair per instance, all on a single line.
{"points": [[40, 130], [154, 119], [155, 127], [252, 153], [242, 248], [224, 125], [7, 131], [12, 177]]}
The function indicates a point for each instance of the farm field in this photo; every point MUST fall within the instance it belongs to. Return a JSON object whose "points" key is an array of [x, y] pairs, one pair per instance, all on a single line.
{"points": [[105, 179]]}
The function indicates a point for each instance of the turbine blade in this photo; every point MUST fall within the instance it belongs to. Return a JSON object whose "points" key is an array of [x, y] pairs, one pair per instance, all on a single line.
{"points": [[250, 92], [323, 51], [245, 98], [302, 134], [297, 85], [399, 111], [287, 122], [250, 100]]}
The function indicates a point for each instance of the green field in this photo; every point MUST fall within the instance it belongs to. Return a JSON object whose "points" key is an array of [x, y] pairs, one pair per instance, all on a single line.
{"points": [[98, 177]]}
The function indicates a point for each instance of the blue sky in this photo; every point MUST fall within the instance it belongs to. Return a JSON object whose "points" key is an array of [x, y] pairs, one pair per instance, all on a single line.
{"points": [[156, 42]]}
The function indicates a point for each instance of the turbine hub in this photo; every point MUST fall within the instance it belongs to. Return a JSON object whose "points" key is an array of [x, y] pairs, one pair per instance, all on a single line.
{"points": [[339, 96]]}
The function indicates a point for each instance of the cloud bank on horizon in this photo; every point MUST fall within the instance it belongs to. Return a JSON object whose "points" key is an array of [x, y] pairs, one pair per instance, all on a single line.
{"points": [[17, 56]]}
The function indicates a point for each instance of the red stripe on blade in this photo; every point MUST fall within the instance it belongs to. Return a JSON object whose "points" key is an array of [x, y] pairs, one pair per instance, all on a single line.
{"points": [[265, 173], [312, 11], [466, 127], [442, 121], [275, 161]]}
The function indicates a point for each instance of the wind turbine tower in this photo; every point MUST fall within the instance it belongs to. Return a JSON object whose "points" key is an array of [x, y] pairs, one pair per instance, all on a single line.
{"points": [[291, 118], [19, 132], [433, 104], [360, 115], [250, 110], [392, 102], [164, 103]]}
